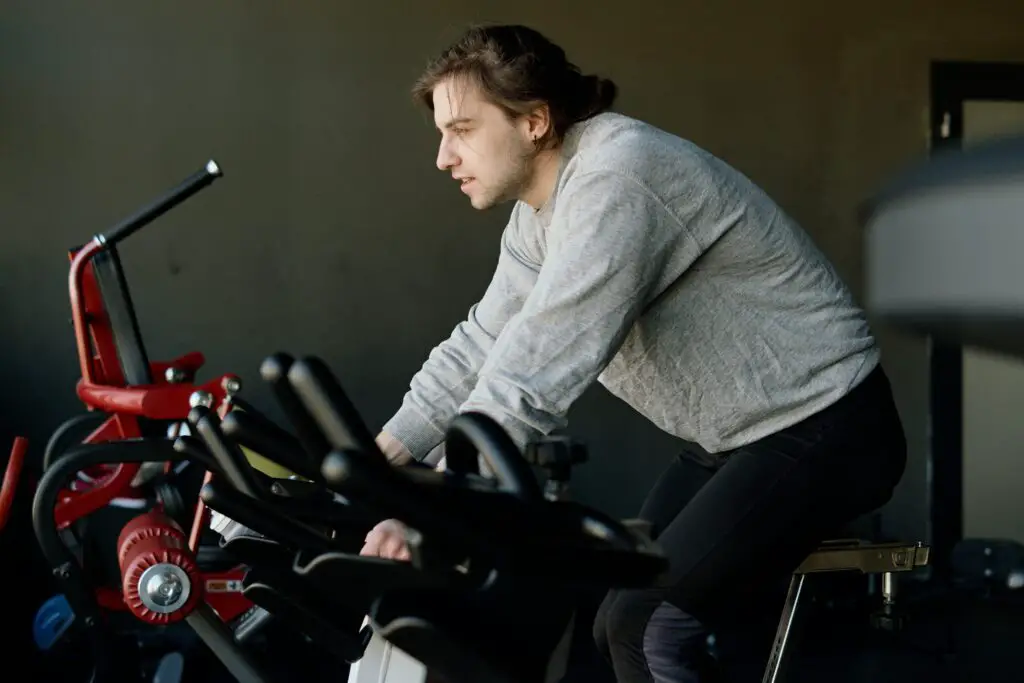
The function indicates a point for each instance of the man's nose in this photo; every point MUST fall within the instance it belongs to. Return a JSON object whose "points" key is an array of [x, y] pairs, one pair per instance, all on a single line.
{"points": [[446, 157]]}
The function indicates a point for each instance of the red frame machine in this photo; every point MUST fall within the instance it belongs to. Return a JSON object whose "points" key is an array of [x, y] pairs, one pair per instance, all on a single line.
{"points": [[102, 388], [113, 454]]}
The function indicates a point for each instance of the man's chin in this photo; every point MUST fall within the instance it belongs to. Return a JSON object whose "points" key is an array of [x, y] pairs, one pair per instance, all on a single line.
{"points": [[486, 203], [482, 204]]}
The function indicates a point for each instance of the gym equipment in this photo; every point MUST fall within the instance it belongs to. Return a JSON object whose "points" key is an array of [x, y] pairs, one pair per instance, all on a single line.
{"points": [[139, 398], [496, 562], [852, 555], [120, 453], [942, 247], [12, 475]]}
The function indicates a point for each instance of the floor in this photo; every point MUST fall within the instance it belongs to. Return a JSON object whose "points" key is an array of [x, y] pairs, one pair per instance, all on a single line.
{"points": [[949, 638]]}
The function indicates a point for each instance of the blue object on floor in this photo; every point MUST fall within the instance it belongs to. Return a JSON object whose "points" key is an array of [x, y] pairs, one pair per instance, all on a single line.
{"points": [[53, 619]]}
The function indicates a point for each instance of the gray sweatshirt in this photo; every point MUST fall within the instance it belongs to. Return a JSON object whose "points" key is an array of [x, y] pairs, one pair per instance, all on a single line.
{"points": [[664, 274]]}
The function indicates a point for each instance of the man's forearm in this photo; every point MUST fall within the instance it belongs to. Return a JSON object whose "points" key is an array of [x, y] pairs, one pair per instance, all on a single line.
{"points": [[439, 388], [450, 373], [393, 449]]}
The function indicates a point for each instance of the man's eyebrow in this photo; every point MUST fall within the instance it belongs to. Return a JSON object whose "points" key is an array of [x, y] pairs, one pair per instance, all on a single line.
{"points": [[458, 121]]}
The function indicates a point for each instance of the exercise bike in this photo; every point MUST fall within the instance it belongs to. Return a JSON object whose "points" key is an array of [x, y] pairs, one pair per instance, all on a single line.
{"points": [[496, 548]]}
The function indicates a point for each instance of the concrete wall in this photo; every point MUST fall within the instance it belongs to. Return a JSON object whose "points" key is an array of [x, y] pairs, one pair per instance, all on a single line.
{"points": [[333, 234]]}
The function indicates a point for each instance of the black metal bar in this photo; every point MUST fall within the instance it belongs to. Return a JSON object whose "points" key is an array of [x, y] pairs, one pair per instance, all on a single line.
{"points": [[945, 361], [193, 448], [259, 551], [347, 521], [474, 434], [375, 576], [274, 371], [335, 414], [314, 614], [188, 187], [124, 324], [232, 461], [388, 491], [262, 518], [81, 457], [242, 404], [212, 631], [269, 440]]}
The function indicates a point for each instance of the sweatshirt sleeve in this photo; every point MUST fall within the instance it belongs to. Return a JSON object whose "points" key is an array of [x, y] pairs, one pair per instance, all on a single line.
{"points": [[608, 243], [450, 372]]}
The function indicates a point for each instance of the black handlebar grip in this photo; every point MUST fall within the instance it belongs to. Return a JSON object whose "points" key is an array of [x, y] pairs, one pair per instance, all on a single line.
{"points": [[336, 415], [188, 187], [393, 494], [274, 371], [194, 449], [269, 440], [471, 434], [232, 461], [262, 518]]}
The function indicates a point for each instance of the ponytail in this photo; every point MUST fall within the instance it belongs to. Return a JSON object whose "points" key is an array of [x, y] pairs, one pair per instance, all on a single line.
{"points": [[596, 95]]}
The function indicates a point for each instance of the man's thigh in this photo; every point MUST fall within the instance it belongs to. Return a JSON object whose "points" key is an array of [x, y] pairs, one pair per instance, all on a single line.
{"points": [[673, 490], [749, 524], [752, 523]]}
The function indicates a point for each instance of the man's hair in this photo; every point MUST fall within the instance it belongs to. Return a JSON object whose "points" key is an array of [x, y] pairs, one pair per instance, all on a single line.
{"points": [[517, 69]]}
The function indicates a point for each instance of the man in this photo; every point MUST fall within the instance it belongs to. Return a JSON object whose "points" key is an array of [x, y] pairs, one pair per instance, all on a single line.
{"points": [[634, 258]]}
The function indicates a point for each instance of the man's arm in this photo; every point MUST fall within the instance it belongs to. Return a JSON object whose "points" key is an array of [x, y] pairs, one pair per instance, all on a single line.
{"points": [[450, 372], [612, 247]]}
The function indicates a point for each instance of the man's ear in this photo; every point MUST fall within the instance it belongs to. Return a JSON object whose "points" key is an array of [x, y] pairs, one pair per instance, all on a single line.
{"points": [[538, 121]]}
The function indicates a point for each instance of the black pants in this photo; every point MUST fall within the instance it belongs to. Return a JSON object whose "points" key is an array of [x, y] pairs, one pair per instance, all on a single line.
{"points": [[732, 524]]}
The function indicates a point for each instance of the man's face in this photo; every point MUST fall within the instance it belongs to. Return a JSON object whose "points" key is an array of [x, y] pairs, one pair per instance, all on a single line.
{"points": [[489, 155]]}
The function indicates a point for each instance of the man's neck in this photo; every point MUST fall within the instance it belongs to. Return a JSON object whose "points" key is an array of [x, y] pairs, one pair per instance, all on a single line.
{"points": [[545, 174]]}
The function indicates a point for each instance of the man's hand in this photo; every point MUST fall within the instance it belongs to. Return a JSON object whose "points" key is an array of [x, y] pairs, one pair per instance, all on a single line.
{"points": [[387, 540]]}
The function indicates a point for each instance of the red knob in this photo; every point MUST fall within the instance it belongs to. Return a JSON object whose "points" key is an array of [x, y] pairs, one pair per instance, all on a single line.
{"points": [[159, 576]]}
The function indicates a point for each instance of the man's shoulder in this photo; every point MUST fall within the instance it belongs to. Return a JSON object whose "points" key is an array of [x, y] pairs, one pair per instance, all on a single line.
{"points": [[620, 144], [612, 126]]}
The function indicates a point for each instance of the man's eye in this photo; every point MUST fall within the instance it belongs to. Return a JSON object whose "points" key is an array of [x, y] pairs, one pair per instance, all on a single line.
{"points": [[459, 131]]}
